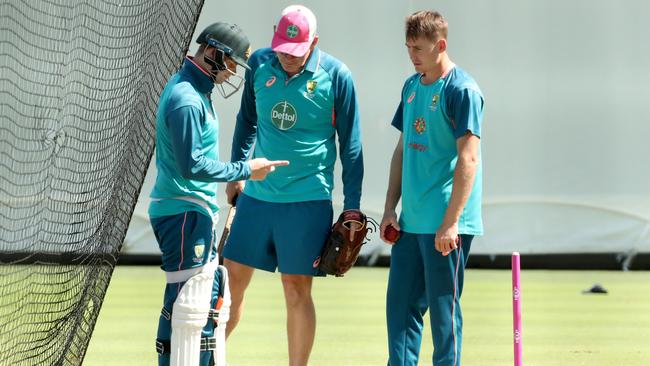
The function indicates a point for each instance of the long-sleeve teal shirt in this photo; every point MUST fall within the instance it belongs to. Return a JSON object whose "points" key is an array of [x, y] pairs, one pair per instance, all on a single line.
{"points": [[187, 147]]}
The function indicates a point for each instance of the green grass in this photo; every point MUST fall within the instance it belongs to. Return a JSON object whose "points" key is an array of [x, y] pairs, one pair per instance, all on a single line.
{"points": [[561, 326]]}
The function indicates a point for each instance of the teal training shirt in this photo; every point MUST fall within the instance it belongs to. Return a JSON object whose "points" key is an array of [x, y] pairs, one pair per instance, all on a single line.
{"points": [[296, 119], [187, 147], [432, 117]]}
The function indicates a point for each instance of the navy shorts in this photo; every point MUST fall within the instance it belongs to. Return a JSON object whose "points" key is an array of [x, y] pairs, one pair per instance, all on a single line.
{"points": [[286, 236], [184, 240]]}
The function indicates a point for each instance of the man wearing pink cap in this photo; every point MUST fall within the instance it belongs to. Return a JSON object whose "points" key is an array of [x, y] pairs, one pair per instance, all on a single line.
{"points": [[297, 99]]}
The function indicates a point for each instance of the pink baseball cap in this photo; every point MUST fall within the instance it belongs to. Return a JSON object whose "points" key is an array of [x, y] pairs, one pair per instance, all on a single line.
{"points": [[295, 31]]}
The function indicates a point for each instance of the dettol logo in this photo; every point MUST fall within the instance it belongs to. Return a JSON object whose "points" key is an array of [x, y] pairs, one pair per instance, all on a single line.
{"points": [[284, 115]]}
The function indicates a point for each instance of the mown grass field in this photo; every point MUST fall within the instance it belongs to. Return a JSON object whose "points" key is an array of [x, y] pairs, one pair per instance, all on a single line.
{"points": [[561, 326]]}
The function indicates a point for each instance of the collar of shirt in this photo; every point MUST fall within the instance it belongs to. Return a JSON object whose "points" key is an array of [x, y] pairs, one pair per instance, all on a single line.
{"points": [[313, 61], [200, 78]]}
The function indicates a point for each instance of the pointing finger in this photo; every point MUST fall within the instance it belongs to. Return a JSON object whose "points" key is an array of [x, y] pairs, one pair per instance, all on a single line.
{"points": [[279, 162]]}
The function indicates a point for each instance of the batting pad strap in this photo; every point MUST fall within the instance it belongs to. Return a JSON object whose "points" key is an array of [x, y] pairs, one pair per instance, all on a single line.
{"points": [[213, 314], [162, 346], [207, 344]]}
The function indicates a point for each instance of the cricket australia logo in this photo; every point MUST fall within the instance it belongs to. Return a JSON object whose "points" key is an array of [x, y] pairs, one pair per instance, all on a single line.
{"points": [[199, 249], [419, 125], [292, 31], [311, 86], [434, 102], [284, 115]]}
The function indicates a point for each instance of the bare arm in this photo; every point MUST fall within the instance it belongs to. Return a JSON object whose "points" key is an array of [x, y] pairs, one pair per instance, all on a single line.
{"points": [[464, 174], [394, 192]]}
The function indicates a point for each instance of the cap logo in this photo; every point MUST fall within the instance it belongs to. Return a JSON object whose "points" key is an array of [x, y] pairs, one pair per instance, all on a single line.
{"points": [[284, 115], [292, 31]]}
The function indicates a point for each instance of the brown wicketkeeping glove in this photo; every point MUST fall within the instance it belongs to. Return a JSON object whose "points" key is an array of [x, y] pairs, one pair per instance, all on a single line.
{"points": [[340, 252]]}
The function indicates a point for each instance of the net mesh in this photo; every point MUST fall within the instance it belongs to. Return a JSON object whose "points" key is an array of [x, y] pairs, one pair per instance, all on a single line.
{"points": [[79, 86]]}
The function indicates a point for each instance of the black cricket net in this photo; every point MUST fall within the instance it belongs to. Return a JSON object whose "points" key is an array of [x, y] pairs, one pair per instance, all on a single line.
{"points": [[79, 87]]}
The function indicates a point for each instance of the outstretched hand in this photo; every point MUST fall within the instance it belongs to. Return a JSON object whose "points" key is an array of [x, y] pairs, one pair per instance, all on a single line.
{"points": [[261, 167]]}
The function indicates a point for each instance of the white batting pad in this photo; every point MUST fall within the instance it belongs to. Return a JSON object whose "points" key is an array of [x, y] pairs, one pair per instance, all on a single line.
{"points": [[189, 316]]}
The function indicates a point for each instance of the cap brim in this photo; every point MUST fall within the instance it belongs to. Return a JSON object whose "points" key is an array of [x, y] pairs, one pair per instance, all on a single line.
{"points": [[298, 49]]}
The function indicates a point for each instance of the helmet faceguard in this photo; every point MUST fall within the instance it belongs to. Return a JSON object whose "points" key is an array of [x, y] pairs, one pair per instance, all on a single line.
{"points": [[218, 64]]}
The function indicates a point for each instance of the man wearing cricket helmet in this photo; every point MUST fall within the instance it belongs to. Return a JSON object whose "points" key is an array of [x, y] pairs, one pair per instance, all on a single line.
{"points": [[297, 100], [436, 171], [183, 209]]}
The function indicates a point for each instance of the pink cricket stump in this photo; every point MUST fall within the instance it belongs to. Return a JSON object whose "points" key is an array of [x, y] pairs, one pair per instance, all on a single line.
{"points": [[516, 308]]}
